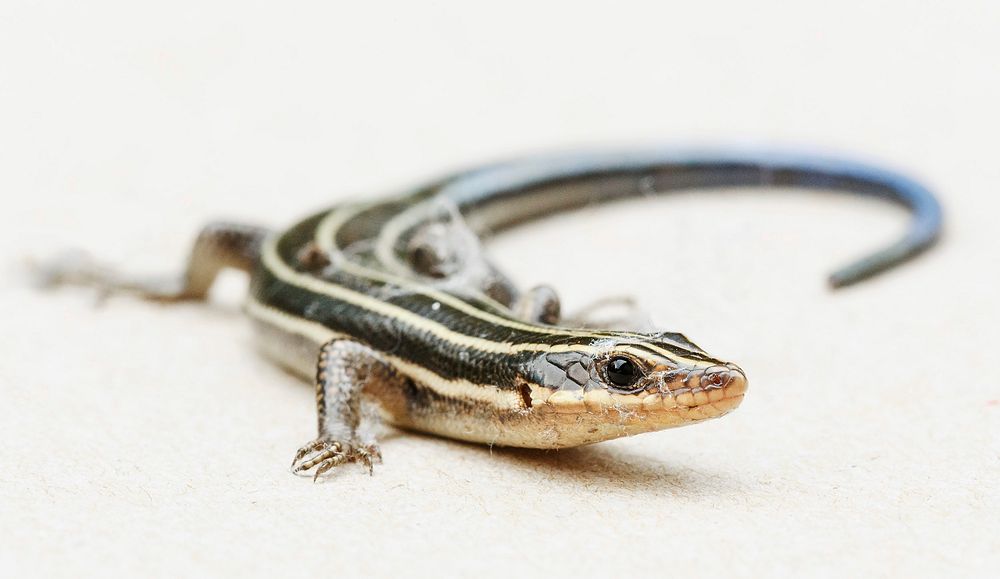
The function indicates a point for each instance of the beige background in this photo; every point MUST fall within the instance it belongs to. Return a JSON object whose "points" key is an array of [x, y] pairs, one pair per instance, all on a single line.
{"points": [[152, 440]]}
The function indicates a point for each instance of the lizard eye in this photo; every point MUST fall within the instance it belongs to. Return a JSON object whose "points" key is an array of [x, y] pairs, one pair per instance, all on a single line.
{"points": [[622, 372]]}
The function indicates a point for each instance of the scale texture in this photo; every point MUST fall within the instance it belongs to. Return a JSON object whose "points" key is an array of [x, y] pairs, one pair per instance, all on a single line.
{"points": [[153, 441]]}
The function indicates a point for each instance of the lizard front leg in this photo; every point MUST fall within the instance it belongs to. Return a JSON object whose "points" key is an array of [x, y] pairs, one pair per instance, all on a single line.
{"points": [[346, 368]]}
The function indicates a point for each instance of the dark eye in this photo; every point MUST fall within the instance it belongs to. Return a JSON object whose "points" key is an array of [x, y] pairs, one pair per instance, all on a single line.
{"points": [[622, 372]]}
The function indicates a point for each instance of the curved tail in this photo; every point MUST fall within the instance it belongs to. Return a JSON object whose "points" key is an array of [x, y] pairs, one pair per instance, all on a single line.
{"points": [[506, 194]]}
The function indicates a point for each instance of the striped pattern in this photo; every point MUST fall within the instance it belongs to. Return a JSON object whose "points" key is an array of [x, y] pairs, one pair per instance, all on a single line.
{"points": [[465, 351], [451, 336]]}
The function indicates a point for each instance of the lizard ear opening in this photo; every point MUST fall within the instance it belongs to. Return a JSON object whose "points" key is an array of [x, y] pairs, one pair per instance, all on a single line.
{"points": [[525, 391]]}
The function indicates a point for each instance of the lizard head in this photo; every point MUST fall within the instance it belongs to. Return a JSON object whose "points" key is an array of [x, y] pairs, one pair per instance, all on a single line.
{"points": [[625, 384]]}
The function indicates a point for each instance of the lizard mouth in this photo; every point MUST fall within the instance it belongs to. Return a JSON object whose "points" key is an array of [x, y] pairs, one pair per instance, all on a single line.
{"points": [[693, 394]]}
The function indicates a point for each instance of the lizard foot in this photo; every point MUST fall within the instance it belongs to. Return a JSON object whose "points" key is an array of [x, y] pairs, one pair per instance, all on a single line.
{"points": [[325, 453], [79, 269]]}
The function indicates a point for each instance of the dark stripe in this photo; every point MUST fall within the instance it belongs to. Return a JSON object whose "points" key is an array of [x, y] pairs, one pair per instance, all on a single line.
{"points": [[431, 309], [390, 335]]}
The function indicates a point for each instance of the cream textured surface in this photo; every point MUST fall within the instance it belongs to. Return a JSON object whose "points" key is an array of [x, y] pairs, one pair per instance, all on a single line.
{"points": [[149, 440]]}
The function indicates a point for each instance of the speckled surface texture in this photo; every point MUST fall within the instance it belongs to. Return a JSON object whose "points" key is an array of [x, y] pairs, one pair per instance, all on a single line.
{"points": [[151, 440]]}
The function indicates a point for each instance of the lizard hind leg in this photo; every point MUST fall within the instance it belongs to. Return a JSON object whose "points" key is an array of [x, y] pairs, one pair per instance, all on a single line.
{"points": [[540, 304], [345, 373], [220, 245]]}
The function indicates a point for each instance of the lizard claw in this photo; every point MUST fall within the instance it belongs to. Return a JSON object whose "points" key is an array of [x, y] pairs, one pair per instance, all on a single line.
{"points": [[323, 454]]}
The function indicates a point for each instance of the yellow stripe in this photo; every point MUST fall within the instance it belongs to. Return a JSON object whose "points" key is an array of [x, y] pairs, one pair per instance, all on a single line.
{"points": [[274, 263], [404, 220], [325, 237], [320, 334], [326, 232], [457, 388], [314, 331]]}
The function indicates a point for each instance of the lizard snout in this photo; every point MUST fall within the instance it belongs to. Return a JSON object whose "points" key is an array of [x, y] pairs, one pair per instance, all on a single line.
{"points": [[696, 386]]}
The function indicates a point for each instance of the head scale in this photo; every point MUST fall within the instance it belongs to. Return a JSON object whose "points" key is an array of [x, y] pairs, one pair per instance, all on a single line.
{"points": [[611, 385]]}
